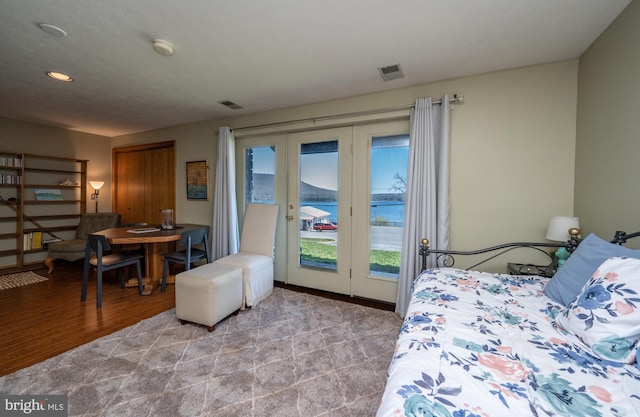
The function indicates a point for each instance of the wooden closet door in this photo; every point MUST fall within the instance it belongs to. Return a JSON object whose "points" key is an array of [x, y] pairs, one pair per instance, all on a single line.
{"points": [[159, 184], [144, 182], [129, 186]]}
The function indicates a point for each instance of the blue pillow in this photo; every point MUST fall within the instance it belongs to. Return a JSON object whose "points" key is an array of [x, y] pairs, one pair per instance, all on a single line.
{"points": [[567, 283]]}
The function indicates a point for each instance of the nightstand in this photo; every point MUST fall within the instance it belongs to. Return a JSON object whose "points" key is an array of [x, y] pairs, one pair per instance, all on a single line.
{"points": [[528, 269]]}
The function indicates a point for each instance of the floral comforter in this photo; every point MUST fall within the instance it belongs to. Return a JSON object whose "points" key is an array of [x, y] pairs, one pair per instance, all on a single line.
{"points": [[480, 344]]}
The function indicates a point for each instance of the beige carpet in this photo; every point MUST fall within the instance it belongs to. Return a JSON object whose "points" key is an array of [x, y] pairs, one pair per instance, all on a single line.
{"points": [[19, 279], [293, 355]]}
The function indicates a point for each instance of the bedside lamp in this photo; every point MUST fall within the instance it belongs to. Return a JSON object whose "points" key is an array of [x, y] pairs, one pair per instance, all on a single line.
{"points": [[558, 230], [96, 185]]}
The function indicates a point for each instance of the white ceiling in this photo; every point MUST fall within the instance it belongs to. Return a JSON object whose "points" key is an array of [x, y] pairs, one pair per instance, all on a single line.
{"points": [[262, 54]]}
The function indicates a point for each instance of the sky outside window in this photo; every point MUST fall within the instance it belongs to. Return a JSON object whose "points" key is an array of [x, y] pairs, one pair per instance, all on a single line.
{"points": [[389, 156]]}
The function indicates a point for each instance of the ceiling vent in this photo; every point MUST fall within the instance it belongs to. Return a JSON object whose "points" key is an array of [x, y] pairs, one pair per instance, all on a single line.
{"points": [[391, 72], [231, 105]]}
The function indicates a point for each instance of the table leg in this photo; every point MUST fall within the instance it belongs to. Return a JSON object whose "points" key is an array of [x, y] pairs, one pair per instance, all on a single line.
{"points": [[154, 264]]}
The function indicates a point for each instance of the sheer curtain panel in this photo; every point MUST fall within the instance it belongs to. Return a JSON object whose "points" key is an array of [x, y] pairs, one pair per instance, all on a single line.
{"points": [[225, 213], [427, 197]]}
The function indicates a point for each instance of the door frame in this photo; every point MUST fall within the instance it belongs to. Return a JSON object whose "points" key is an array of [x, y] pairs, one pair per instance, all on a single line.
{"points": [[359, 163]]}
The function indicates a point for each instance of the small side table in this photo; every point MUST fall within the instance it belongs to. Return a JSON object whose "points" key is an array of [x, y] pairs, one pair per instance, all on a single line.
{"points": [[529, 269]]}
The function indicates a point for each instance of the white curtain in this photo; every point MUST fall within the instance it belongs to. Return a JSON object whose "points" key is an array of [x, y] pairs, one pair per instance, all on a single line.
{"points": [[427, 197], [225, 214]]}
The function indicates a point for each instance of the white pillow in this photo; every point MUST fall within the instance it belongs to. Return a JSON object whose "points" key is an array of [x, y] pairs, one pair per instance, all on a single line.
{"points": [[605, 315]]}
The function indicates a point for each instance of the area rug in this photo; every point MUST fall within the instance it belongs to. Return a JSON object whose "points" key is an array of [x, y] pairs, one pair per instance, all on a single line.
{"points": [[293, 355], [19, 279]]}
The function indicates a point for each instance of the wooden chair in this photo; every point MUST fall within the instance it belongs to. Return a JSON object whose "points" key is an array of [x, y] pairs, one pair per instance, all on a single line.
{"points": [[190, 254], [102, 263], [134, 248]]}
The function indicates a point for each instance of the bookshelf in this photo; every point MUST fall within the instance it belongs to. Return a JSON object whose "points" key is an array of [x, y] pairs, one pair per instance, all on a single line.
{"points": [[41, 199]]}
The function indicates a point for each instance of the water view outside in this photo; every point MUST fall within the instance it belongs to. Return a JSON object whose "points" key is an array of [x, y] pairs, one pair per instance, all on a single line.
{"points": [[389, 213]]}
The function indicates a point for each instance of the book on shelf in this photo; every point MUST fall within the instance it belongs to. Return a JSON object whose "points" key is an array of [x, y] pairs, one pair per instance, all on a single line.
{"points": [[32, 240], [26, 241], [7, 161], [36, 240], [10, 179]]}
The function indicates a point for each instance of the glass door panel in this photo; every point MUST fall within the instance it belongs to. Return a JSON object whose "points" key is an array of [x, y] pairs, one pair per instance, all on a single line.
{"points": [[318, 204], [388, 185], [319, 214], [260, 168]]}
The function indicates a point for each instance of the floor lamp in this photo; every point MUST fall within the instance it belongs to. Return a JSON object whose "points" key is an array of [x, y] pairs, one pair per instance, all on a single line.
{"points": [[96, 185]]}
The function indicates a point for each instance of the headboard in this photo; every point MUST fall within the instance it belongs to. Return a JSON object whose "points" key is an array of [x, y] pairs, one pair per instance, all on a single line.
{"points": [[445, 257]]}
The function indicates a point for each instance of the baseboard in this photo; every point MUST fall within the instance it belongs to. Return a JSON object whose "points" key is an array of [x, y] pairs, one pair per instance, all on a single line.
{"points": [[380, 305]]}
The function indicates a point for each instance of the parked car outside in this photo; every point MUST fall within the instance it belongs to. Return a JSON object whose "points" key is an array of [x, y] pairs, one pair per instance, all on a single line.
{"points": [[319, 227]]}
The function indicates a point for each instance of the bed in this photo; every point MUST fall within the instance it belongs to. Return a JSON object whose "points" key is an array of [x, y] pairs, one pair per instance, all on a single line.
{"points": [[484, 344]]}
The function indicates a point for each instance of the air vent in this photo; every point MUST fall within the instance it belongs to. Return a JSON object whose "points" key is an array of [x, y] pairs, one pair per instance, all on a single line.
{"points": [[391, 72], [231, 105]]}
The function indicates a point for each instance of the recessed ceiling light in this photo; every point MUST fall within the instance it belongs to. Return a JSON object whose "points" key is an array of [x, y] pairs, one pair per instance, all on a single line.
{"points": [[59, 76], [52, 30]]}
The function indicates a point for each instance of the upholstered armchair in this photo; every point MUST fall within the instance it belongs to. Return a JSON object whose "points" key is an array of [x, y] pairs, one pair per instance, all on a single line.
{"points": [[73, 249], [256, 252]]}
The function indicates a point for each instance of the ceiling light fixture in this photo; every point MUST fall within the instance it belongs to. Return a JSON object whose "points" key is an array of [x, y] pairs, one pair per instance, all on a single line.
{"points": [[52, 30], [59, 76], [162, 47]]}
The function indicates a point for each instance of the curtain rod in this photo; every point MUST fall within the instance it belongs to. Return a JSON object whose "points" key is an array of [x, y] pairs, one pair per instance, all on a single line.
{"points": [[454, 100]]}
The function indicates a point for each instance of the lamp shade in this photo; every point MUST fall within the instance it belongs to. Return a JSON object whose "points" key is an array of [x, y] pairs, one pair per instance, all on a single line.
{"points": [[96, 185], [559, 226]]}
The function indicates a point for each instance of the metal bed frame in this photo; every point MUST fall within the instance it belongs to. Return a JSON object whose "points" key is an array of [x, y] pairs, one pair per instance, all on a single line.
{"points": [[445, 257]]}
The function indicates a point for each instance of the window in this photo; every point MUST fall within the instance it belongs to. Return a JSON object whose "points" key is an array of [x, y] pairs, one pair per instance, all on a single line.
{"points": [[260, 170], [389, 159]]}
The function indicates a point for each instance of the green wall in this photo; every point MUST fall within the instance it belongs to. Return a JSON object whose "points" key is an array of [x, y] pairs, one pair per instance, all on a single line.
{"points": [[607, 185]]}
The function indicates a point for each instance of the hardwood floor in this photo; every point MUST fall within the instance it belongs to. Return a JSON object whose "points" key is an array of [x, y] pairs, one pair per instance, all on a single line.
{"points": [[42, 320]]}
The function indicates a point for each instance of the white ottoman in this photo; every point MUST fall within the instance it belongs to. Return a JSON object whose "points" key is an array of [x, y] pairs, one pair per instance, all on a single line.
{"points": [[208, 293]]}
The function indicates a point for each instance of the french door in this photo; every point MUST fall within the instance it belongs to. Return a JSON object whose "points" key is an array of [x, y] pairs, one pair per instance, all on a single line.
{"points": [[319, 209], [341, 198], [381, 153]]}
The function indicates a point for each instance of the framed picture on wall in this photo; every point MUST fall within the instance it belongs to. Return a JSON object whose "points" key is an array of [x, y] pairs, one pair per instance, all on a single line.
{"points": [[197, 180]]}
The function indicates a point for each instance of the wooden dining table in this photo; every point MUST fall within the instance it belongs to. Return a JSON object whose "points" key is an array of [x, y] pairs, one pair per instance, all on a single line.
{"points": [[156, 244]]}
